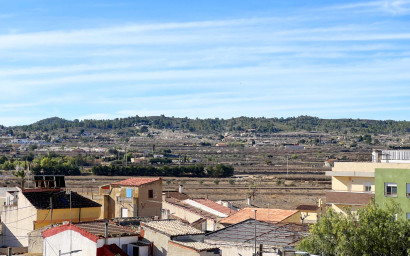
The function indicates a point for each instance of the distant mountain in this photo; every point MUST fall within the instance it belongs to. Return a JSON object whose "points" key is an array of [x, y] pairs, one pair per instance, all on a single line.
{"points": [[51, 121], [232, 125]]}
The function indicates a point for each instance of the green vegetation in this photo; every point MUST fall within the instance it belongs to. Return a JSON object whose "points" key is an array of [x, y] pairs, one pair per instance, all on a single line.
{"points": [[271, 125], [372, 231], [219, 170], [54, 164]]}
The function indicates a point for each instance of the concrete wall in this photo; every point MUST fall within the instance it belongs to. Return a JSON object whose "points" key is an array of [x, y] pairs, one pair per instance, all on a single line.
{"points": [[340, 208], [176, 249], [138, 205], [309, 216], [150, 206], [295, 218], [17, 222], [120, 241], [160, 241], [366, 166], [399, 176], [76, 241], [60, 215], [352, 184], [105, 202], [211, 225], [53, 244], [181, 212], [236, 249], [35, 241]]}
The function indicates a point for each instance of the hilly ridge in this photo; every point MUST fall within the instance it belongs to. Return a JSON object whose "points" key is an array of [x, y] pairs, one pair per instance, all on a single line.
{"points": [[239, 124]]}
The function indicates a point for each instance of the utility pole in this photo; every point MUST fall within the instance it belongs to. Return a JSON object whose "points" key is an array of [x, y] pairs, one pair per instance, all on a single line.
{"points": [[287, 166], [255, 232], [126, 160], [51, 209]]}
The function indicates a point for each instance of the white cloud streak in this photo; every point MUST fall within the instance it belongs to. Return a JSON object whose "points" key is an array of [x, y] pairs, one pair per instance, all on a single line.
{"points": [[284, 65]]}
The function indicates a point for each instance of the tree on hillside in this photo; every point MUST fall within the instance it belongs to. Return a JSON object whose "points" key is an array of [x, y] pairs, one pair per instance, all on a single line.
{"points": [[371, 231]]}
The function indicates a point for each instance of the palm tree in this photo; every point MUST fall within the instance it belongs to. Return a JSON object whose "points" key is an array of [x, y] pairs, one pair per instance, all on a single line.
{"points": [[20, 173]]}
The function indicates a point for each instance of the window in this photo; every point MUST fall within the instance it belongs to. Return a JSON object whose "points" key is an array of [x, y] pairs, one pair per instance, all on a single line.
{"points": [[129, 192], [150, 193], [124, 213], [408, 189], [408, 215], [367, 187], [390, 189]]}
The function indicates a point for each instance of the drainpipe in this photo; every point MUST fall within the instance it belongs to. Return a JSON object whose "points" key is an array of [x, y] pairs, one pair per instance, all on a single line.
{"points": [[106, 231]]}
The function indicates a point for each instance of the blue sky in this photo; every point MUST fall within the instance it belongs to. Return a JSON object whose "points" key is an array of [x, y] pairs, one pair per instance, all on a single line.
{"points": [[107, 59]]}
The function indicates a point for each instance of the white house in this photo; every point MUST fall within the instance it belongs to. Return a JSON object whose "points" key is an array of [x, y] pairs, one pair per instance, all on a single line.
{"points": [[85, 239]]}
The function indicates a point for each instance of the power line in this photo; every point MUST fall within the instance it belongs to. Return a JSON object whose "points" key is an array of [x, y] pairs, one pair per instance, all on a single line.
{"points": [[20, 219], [18, 208]]}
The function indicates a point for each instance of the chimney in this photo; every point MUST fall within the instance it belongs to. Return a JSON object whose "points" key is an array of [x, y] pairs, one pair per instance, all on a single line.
{"points": [[249, 201], [181, 189], [375, 156], [164, 197]]}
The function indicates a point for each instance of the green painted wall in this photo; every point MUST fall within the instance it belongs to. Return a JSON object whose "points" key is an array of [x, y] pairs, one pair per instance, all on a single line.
{"points": [[399, 176]]}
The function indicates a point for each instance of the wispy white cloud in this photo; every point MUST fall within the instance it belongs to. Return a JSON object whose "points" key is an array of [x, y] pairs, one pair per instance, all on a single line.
{"points": [[336, 59], [6, 15], [395, 7]]}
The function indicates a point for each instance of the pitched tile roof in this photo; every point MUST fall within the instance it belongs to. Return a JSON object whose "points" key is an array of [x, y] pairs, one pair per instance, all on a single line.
{"points": [[262, 214], [92, 230], [190, 208], [176, 195], [268, 234], [349, 198], [307, 207], [197, 246], [61, 200], [213, 205], [171, 227], [135, 182], [97, 227]]}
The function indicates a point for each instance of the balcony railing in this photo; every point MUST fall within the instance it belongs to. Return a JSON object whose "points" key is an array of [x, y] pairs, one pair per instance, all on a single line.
{"points": [[348, 198], [349, 174], [125, 199]]}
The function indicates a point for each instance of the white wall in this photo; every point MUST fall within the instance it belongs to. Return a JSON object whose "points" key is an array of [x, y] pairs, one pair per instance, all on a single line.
{"points": [[79, 242], [205, 208], [160, 241], [189, 216], [18, 221], [62, 241], [119, 241], [181, 212]]}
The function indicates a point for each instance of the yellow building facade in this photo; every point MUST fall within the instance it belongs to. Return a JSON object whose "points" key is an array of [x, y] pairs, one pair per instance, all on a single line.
{"points": [[134, 197], [353, 183]]}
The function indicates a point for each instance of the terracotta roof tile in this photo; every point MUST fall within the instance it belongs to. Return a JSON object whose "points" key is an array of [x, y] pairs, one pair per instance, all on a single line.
{"points": [[191, 208], [349, 198], [217, 207], [307, 207], [176, 195], [93, 230], [262, 214], [171, 227], [135, 181]]}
